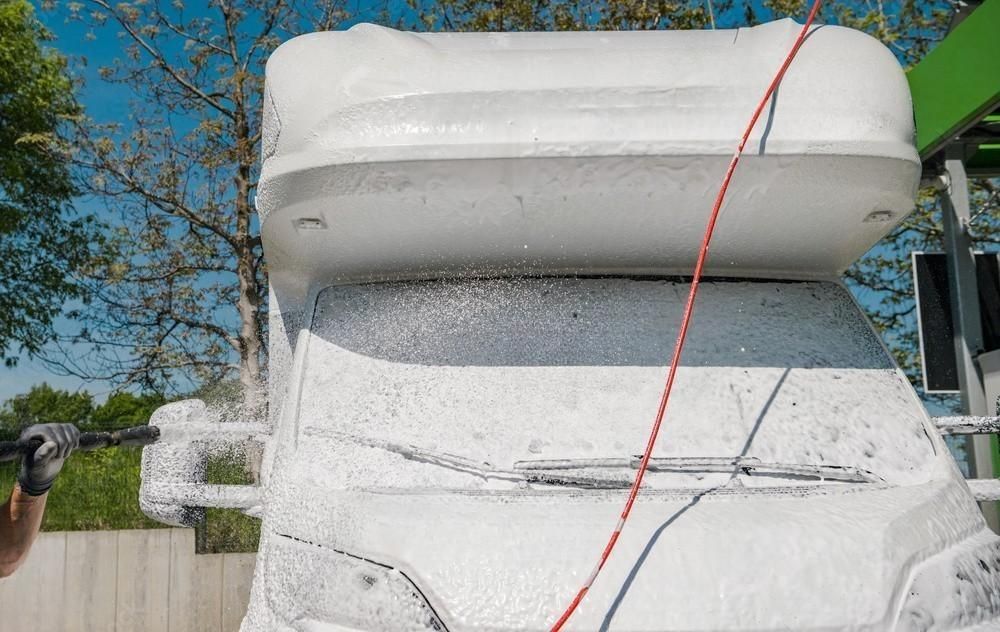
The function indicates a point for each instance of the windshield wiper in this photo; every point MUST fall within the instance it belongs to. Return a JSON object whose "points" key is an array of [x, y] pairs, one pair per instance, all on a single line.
{"points": [[488, 470], [541, 471], [482, 469], [726, 465]]}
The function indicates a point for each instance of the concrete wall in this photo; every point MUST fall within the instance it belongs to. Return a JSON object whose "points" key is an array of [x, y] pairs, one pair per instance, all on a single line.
{"points": [[126, 581]]}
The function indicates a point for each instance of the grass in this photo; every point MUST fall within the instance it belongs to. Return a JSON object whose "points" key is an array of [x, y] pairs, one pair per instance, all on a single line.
{"points": [[228, 530], [99, 490], [95, 491]]}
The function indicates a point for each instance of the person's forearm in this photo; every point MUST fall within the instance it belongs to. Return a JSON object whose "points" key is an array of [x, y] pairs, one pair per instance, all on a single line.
{"points": [[20, 519]]}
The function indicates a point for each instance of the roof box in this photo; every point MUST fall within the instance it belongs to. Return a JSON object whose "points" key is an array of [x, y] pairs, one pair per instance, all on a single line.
{"points": [[393, 155]]}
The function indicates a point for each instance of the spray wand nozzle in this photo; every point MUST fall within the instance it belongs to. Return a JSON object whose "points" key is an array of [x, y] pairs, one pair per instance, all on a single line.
{"points": [[137, 436]]}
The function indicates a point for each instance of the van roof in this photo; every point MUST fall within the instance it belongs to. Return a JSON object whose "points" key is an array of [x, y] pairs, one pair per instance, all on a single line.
{"points": [[392, 155]]}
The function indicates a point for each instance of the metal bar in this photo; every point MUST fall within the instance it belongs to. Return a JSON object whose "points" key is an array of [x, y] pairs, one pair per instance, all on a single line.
{"points": [[967, 425], [214, 432], [202, 495], [960, 251], [985, 489]]}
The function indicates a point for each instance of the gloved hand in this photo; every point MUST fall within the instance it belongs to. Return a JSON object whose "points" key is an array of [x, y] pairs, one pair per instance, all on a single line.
{"points": [[40, 468]]}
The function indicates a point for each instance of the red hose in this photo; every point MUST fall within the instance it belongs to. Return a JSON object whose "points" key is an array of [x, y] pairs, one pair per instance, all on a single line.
{"points": [[685, 321]]}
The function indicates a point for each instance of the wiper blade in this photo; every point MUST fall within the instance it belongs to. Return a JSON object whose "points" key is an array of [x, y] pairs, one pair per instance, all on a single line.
{"points": [[540, 471], [570, 464], [725, 465], [752, 465], [484, 469], [583, 482], [488, 470]]}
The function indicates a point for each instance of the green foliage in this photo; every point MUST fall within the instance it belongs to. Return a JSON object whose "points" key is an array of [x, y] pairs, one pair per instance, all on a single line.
{"points": [[908, 27], [96, 490], [44, 404], [100, 489], [40, 244], [123, 410], [566, 15], [228, 530]]}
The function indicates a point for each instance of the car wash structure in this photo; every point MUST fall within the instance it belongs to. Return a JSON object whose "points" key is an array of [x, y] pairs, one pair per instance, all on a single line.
{"points": [[956, 102]]}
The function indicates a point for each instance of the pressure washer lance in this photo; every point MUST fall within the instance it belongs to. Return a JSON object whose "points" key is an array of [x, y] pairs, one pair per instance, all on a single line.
{"points": [[127, 437]]}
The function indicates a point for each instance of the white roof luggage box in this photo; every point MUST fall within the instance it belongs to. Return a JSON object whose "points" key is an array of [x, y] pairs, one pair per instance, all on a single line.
{"points": [[392, 155]]}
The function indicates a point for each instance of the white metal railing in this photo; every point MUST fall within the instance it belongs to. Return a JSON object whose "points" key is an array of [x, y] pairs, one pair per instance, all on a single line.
{"points": [[983, 489], [968, 424]]}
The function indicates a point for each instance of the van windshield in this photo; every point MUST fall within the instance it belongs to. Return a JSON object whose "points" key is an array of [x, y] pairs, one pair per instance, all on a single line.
{"points": [[471, 383]]}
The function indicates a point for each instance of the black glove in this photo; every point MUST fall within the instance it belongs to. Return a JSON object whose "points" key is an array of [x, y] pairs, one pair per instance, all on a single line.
{"points": [[40, 468]]}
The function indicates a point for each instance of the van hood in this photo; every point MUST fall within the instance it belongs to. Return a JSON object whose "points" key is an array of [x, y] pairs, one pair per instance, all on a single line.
{"points": [[820, 558]]}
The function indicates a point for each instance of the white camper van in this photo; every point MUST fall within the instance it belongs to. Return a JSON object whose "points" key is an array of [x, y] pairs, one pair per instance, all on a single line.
{"points": [[478, 247]]}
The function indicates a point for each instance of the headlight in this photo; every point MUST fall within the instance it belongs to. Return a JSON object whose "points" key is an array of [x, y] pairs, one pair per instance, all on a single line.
{"points": [[309, 584]]}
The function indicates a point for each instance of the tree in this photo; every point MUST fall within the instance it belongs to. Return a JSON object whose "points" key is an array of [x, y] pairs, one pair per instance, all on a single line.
{"points": [[124, 410], [907, 27], [41, 245], [44, 404], [180, 299], [566, 15]]}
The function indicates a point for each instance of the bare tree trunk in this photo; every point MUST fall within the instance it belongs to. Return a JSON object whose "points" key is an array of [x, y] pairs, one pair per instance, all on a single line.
{"points": [[248, 307], [250, 291]]}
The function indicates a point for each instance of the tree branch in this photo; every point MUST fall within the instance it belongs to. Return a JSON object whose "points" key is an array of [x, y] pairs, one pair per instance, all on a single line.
{"points": [[161, 61]]}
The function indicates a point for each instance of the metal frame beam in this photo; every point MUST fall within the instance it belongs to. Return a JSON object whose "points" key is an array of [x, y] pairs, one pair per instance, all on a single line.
{"points": [[960, 251], [957, 84]]}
